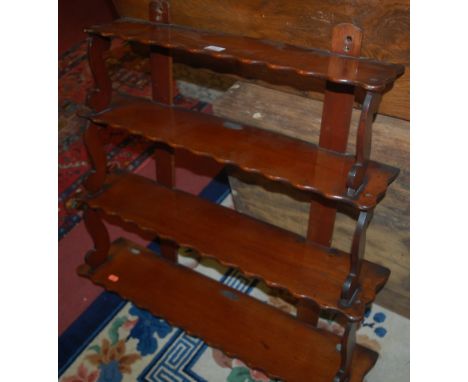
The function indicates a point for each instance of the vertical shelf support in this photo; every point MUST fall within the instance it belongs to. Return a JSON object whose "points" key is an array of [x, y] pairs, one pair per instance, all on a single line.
{"points": [[334, 132], [308, 311], [163, 92], [98, 99]]}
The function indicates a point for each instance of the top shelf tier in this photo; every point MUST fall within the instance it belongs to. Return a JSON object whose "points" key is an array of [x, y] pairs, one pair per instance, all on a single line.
{"points": [[366, 73]]}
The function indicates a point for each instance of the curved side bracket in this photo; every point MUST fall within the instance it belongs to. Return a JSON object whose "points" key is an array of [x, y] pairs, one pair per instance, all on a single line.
{"points": [[98, 231], [363, 143], [96, 157], [351, 287], [99, 97], [348, 343]]}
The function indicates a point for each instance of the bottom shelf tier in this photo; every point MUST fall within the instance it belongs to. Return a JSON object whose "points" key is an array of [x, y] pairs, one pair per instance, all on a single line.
{"points": [[262, 336]]}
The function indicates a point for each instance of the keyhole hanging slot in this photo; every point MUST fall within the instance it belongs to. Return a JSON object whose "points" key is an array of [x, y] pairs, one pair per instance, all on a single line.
{"points": [[348, 41]]}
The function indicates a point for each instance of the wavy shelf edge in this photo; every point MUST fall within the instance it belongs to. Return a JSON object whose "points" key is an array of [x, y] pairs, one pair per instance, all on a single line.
{"points": [[84, 271], [372, 200], [399, 69], [354, 313]]}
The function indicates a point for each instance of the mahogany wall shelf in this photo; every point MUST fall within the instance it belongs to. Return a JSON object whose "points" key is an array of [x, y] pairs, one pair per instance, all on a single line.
{"points": [[318, 277]]}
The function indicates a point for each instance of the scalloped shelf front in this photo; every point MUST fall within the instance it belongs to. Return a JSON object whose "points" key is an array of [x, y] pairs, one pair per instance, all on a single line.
{"points": [[224, 318], [285, 260], [250, 52], [277, 157]]}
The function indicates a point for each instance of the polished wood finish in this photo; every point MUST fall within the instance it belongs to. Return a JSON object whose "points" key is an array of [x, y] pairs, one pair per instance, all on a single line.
{"points": [[98, 98], [318, 277], [98, 231], [165, 174], [285, 260], [161, 76], [308, 311], [352, 282], [254, 150], [160, 58], [304, 23], [363, 142], [371, 75], [288, 208], [96, 158], [163, 91], [100, 95], [336, 118], [251, 330], [348, 348], [165, 165]]}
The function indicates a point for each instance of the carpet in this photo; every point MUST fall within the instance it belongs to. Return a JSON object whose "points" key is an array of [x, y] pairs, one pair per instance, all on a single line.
{"points": [[115, 341]]}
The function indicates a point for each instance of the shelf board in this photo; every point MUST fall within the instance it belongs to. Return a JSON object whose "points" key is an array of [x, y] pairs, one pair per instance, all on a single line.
{"points": [[251, 52], [281, 258], [277, 157], [262, 336]]}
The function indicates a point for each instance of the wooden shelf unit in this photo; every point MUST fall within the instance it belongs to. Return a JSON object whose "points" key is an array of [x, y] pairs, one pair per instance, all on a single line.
{"points": [[318, 277]]}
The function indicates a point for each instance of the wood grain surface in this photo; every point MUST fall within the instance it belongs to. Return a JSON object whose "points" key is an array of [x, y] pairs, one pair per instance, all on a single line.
{"points": [[249, 56], [285, 261], [270, 337], [300, 117], [276, 157], [385, 25]]}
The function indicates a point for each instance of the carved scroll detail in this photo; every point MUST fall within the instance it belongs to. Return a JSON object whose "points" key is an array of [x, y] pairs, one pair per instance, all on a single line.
{"points": [[363, 142], [99, 97], [98, 231], [96, 157], [348, 343], [351, 284]]}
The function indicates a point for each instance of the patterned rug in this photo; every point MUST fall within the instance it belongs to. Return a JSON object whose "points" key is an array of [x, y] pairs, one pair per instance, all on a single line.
{"points": [[130, 75], [115, 341]]}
